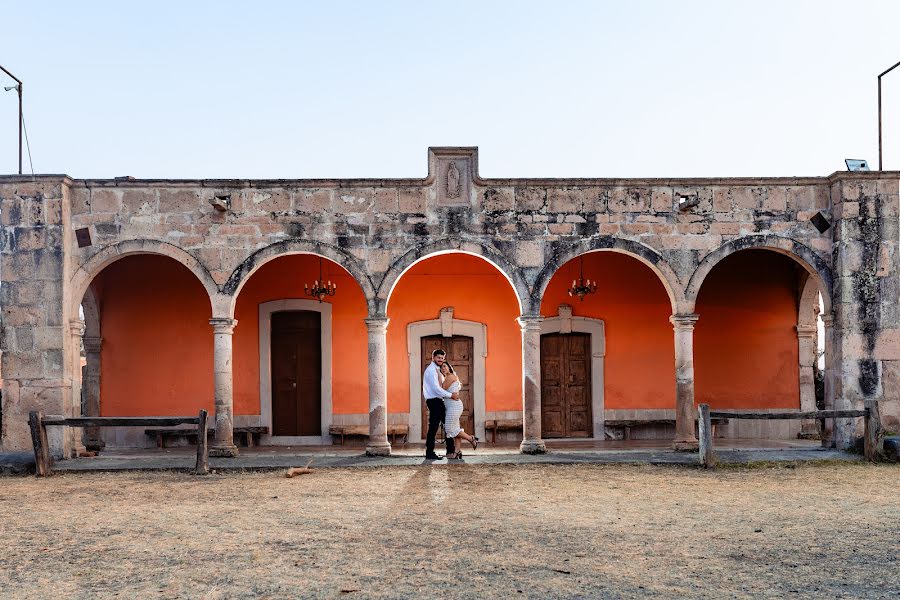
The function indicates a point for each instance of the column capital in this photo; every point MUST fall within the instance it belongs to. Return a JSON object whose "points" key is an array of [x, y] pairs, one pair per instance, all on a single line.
{"points": [[377, 324], [223, 325], [806, 331], [828, 319], [684, 321], [76, 327], [530, 322], [92, 343]]}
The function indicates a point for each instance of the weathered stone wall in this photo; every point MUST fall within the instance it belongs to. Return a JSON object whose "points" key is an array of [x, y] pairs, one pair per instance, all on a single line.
{"points": [[377, 228]]}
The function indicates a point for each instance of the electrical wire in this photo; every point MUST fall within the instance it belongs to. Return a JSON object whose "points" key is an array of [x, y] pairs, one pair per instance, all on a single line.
{"points": [[27, 145]]}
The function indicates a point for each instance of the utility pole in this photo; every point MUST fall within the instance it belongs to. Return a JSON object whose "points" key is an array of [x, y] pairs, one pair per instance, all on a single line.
{"points": [[880, 168], [18, 87]]}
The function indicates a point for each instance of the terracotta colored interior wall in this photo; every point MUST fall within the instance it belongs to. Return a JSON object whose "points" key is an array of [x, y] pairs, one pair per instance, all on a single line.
{"points": [[639, 367], [157, 354], [283, 278], [477, 291], [745, 343]]}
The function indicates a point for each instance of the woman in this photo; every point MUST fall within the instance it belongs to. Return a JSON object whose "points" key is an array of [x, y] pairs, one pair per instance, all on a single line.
{"points": [[453, 409]]}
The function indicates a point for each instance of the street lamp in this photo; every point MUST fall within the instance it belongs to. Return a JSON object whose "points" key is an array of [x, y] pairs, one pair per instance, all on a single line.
{"points": [[879, 113], [18, 88]]}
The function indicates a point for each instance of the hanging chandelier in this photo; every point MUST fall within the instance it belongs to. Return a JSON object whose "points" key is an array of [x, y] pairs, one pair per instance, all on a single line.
{"points": [[581, 287], [321, 289]]}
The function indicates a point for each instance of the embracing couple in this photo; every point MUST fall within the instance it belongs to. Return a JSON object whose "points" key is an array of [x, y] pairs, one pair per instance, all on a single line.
{"points": [[440, 386]]}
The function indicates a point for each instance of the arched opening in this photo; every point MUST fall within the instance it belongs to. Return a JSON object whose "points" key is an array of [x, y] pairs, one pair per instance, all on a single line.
{"points": [[157, 352], [299, 364], [747, 351], [467, 306], [636, 376]]}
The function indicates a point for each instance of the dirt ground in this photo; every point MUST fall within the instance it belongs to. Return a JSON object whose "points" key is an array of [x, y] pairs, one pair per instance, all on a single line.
{"points": [[535, 531]]}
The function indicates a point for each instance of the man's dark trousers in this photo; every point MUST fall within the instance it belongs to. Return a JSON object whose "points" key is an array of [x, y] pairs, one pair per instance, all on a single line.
{"points": [[436, 413]]}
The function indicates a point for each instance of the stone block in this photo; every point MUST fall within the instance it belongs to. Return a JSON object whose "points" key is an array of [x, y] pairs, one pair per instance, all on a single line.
{"points": [[140, 201], [623, 200], [79, 199], [352, 200], [530, 253], [661, 200], [499, 199], [29, 238], [775, 200], [888, 186], [565, 200], [849, 190], [887, 345], [47, 338], [531, 199], [179, 201], [105, 201], [387, 201], [747, 197], [723, 200], [725, 228], [412, 200]]}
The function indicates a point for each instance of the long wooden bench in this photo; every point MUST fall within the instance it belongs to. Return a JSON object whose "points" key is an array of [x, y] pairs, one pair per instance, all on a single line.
{"points": [[250, 435], [39, 423], [363, 430], [627, 424], [495, 425]]}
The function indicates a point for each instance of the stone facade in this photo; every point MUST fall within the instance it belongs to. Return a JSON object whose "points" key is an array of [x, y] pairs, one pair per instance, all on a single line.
{"points": [[223, 230]]}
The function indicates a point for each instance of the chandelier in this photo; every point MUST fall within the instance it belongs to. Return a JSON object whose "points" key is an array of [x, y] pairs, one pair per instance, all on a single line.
{"points": [[581, 287], [321, 288]]}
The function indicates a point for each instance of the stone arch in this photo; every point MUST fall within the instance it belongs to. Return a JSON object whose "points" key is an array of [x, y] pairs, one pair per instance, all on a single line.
{"points": [[86, 273], [444, 246], [231, 289], [637, 250], [91, 313], [805, 256]]}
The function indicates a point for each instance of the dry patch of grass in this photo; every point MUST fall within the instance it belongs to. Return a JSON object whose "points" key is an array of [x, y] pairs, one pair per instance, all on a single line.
{"points": [[459, 530]]}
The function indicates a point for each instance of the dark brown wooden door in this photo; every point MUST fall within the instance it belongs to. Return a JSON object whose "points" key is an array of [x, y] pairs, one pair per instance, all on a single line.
{"points": [[566, 385], [296, 373], [459, 351]]}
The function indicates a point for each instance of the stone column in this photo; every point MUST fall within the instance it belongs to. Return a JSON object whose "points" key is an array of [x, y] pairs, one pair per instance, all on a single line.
{"points": [[828, 440], [90, 391], [378, 444], [223, 443], [531, 385], [808, 352], [75, 434], [685, 439]]}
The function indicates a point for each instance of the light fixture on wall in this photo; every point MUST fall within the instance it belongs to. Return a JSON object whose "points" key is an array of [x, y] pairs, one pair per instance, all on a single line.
{"points": [[581, 287], [321, 288]]}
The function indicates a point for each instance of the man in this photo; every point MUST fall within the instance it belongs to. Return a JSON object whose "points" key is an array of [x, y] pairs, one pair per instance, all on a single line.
{"points": [[434, 399]]}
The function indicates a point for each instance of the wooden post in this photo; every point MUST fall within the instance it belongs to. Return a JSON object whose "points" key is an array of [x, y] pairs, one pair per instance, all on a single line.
{"points": [[707, 458], [41, 447], [874, 438], [202, 445]]}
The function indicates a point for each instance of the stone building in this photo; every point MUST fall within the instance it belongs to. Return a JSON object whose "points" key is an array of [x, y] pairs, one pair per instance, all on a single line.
{"points": [[187, 294]]}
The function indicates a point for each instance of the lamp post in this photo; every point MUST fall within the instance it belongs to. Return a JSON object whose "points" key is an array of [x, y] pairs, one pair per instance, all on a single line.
{"points": [[18, 88], [879, 112]]}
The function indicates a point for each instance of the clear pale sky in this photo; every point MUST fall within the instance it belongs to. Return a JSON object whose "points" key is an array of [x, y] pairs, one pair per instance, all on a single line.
{"points": [[361, 89]]}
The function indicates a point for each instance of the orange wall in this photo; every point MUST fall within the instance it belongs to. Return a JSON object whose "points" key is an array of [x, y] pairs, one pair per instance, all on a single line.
{"points": [[745, 343], [157, 354], [284, 278], [477, 292], [639, 368]]}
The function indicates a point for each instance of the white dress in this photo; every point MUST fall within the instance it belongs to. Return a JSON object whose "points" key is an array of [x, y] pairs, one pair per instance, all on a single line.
{"points": [[453, 409]]}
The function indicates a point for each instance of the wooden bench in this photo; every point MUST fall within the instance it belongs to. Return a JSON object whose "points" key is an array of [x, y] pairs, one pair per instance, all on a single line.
{"points": [[627, 424], [39, 423], [363, 430], [494, 425], [250, 434]]}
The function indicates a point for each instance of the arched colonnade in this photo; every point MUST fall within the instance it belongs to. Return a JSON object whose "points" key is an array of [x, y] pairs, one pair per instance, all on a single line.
{"points": [[682, 294]]}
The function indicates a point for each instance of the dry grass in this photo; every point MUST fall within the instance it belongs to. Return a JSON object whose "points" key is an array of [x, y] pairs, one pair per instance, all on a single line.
{"points": [[488, 531]]}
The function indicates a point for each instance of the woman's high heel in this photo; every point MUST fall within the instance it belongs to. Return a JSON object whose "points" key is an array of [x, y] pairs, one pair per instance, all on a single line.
{"points": [[474, 442]]}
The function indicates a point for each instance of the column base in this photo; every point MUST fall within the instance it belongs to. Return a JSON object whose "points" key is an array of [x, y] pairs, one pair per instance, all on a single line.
{"points": [[378, 449], [803, 435], [225, 451], [686, 445], [532, 447]]}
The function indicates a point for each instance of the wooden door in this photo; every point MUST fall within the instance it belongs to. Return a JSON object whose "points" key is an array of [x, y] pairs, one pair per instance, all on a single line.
{"points": [[296, 373], [459, 351], [566, 386]]}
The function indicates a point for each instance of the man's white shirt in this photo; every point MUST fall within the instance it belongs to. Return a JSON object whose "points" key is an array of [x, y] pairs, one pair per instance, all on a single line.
{"points": [[431, 383]]}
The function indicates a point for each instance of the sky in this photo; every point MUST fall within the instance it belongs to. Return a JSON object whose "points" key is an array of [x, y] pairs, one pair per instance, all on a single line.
{"points": [[362, 89]]}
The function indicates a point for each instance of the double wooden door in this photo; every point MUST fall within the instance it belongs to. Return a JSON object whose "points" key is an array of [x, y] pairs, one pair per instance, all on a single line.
{"points": [[566, 385], [296, 373], [459, 351]]}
